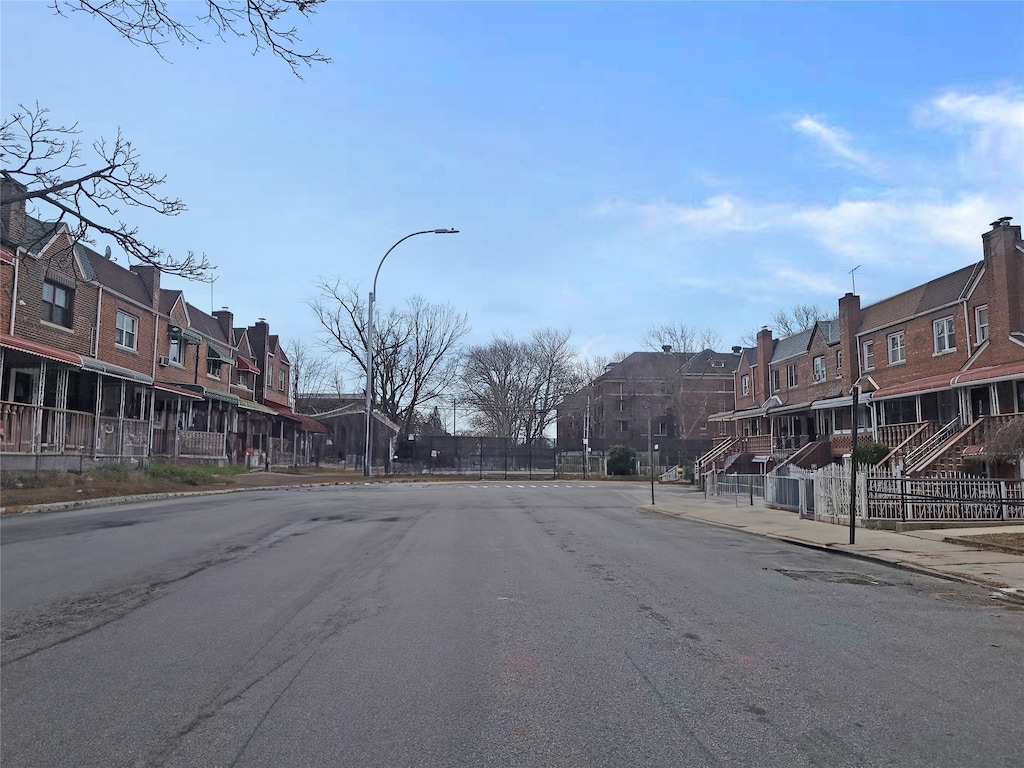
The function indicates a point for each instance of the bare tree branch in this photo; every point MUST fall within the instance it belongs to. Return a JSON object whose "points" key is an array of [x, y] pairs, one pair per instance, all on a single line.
{"points": [[416, 349], [679, 337], [42, 166], [152, 23]]}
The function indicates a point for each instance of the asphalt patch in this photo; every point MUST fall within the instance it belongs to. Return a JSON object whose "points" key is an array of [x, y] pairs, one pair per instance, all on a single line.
{"points": [[834, 577]]}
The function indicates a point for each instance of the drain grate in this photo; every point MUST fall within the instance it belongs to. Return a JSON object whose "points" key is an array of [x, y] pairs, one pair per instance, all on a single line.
{"points": [[834, 577]]}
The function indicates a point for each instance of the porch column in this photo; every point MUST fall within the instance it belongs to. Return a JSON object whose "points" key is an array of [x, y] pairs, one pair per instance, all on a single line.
{"points": [[37, 417]]}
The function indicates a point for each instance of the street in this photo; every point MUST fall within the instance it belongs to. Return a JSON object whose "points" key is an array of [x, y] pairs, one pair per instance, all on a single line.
{"points": [[513, 623]]}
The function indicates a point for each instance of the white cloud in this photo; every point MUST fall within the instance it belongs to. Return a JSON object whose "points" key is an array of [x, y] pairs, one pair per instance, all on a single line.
{"points": [[838, 142], [994, 125]]}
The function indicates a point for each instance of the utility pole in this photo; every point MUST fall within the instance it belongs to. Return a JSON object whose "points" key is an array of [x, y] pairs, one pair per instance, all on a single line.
{"points": [[586, 438]]}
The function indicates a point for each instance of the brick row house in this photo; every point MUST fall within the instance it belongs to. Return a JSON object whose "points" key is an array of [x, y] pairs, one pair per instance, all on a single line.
{"points": [[939, 370], [99, 363], [669, 394]]}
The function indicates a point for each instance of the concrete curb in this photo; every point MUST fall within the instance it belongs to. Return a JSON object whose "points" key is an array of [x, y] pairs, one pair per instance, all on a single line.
{"points": [[1004, 592]]}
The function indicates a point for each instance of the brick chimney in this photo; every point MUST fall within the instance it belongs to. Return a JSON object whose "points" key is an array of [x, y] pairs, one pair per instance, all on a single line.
{"points": [[765, 348], [150, 276], [226, 318], [12, 214], [1005, 264], [849, 324]]}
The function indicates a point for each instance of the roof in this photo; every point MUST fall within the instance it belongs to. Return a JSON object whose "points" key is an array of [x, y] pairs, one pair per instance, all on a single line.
{"points": [[792, 345], [949, 380], [168, 298], [40, 350], [112, 275], [206, 324], [702, 363], [37, 234], [646, 364], [830, 330], [921, 299]]}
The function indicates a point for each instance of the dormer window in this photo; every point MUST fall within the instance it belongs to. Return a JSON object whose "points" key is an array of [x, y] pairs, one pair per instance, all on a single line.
{"points": [[57, 304]]}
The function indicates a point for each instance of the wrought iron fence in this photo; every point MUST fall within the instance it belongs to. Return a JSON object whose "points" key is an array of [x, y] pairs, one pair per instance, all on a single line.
{"points": [[447, 455], [944, 498]]}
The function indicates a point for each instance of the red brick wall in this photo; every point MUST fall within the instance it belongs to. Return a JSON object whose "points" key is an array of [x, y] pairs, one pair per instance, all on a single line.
{"points": [[140, 359], [32, 272], [806, 388]]}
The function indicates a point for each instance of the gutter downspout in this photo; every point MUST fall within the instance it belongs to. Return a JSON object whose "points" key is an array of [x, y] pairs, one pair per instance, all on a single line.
{"points": [[14, 298]]}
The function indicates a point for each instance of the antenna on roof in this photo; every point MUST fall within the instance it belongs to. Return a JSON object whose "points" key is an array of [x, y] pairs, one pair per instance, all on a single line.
{"points": [[853, 277], [212, 281]]}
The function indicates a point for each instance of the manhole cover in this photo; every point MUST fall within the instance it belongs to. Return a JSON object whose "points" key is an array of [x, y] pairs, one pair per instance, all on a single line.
{"points": [[834, 577]]}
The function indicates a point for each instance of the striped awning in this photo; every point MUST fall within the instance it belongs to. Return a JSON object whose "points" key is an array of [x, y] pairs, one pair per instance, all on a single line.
{"points": [[251, 405], [40, 350], [109, 369]]}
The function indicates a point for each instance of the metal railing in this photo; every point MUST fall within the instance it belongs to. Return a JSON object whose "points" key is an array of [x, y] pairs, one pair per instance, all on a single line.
{"points": [[932, 443]]}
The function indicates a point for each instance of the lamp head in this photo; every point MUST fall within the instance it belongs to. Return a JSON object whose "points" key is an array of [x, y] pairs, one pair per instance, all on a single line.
{"points": [[446, 231]]}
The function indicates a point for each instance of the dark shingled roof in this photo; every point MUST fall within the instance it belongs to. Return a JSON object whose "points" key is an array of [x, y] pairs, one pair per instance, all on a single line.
{"points": [[920, 299], [168, 297], [792, 345], [701, 363], [830, 329], [206, 324], [113, 276], [37, 234], [647, 365]]}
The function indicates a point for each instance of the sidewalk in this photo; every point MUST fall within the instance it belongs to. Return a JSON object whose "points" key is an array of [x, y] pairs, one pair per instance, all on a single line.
{"points": [[922, 550]]}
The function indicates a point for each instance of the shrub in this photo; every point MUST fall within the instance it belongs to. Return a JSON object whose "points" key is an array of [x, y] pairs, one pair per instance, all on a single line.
{"points": [[197, 475], [621, 460], [870, 452], [113, 472]]}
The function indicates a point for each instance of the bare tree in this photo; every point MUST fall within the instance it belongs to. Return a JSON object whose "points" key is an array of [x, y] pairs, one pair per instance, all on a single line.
{"points": [[788, 322], [680, 337], [43, 169], [152, 23], [314, 372], [513, 387], [416, 349]]}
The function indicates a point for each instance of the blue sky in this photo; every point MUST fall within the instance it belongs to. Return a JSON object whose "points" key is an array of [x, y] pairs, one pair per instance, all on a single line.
{"points": [[611, 166]]}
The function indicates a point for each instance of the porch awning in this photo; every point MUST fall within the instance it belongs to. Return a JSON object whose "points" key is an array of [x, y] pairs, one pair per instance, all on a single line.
{"points": [[285, 412], [723, 416], [212, 353], [916, 387], [250, 405], [989, 373], [179, 391], [177, 332], [780, 410], [109, 369], [213, 394], [309, 424], [841, 402], [243, 364], [40, 350]]}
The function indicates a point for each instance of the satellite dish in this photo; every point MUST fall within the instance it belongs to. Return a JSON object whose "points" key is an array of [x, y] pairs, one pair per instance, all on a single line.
{"points": [[107, 252]]}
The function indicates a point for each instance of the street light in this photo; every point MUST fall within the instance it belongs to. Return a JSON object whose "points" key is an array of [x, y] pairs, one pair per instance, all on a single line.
{"points": [[369, 343]]}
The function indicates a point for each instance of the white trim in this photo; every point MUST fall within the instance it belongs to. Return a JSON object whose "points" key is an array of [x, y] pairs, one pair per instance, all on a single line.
{"points": [[969, 290], [977, 325], [1013, 337], [977, 352]]}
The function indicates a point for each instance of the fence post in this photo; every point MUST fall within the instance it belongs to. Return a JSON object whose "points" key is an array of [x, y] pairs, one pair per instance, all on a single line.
{"points": [[1001, 490], [529, 456], [504, 454], [903, 498], [481, 458]]}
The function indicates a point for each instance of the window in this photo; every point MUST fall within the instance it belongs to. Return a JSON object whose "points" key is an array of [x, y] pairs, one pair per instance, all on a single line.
{"points": [[176, 352], [945, 340], [745, 383], [270, 374], [897, 348], [839, 363], [622, 405], [981, 323], [243, 379], [775, 380], [869, 355], [791, 378], [213, 367], [819, 368], [57, 304], [280, 381], [127, 331], [621, 426], [661, 428]]}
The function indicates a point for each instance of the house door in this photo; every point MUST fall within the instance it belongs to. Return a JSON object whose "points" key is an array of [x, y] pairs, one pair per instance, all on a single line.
{"points": [[21, 385], [981, 402]]}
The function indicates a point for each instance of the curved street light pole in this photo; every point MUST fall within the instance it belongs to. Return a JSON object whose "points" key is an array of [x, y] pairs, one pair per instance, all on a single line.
{"points": [[367, 455]]}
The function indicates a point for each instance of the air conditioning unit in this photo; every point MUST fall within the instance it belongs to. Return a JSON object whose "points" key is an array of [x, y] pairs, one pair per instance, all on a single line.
{"points": [[162, 361]]}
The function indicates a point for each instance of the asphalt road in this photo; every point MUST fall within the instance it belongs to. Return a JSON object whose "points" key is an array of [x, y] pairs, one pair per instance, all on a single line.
{"points": [[518, 624]]}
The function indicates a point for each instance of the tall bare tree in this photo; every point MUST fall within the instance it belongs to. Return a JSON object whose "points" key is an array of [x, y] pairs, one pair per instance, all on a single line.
{"points": [[416, 349], [788, 322], [513, 387], [44, 169], [680, 337], [269, 24], [314, 372]]}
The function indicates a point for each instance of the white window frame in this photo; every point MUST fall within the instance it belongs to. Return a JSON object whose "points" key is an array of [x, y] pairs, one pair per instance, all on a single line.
{"points": [[176, 352], [213, 364], [745, 383], [896, 345], [776, 377], [944, 335], [981, 329], [792, 378], [869, 355], [820, 373], [839, 363], [122, 336], [280, 381]]}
